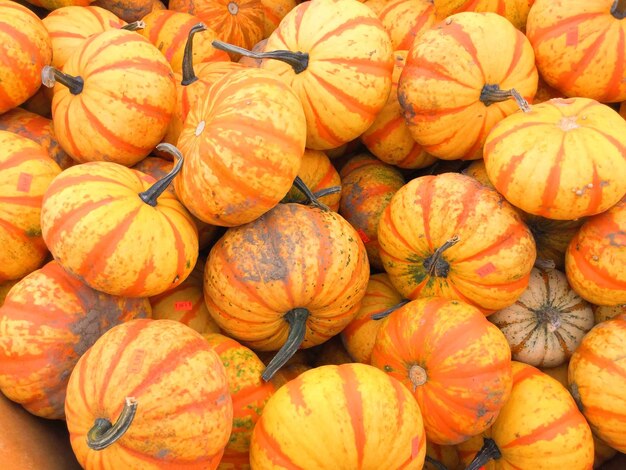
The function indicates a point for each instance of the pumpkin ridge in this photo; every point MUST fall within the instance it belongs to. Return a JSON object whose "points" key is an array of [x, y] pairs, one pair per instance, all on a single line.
{"points": [[514, 231], [599, 361], [30, 201], [517, 54], [461, 36], [546, 431], [325, 131], [612, 87], [356, 22], [567, 79], [361, 65], [344, 98], [19, 157], [149, 110], [559, 28], [433, 70], [272, 449], [354, 402], [25, 42]]}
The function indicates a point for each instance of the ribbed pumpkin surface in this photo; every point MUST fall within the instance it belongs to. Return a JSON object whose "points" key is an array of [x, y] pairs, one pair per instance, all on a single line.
{"points": [[406, 20], [516, 11]]}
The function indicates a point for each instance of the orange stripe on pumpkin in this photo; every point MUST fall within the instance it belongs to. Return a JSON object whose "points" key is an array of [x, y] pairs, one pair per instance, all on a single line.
{"points": [[352, 23], [561, 28], [29, 201], [354, 405], [178, 40], [157, 26], [271, 448], [456, 31], [567, 78], [548, 431]]}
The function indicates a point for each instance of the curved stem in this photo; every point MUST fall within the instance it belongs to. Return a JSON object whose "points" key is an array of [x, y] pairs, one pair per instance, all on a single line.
{"points": [[103, 433], [299, 61], [491, 94], [50, 75], [519, 99], [389, 311], [435, 264], [489, 451], [189, 76], [296, 317], [435, 463], [150, 195], [311, 198], [618, 10], [134, 26], [327, 191]]}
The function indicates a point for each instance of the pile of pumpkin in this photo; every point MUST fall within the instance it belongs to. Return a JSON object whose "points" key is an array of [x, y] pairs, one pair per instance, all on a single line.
{"points": [[269, 234]]}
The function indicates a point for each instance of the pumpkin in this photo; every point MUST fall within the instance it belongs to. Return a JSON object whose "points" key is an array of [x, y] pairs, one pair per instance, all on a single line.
{"points": [[26, 171], [367, 187], [273, 12], [447, 235], [580, 46], [251, 61], [596, 375], [48, 320], [622, 109], [117, 230], [558, 372], [26, 49], [547, 323], [429, 345], [596, 258], [287, 373], [118, 92], [155, 378], [388, 137], [605, 312], [361, 417], [539, 427], [569, 151], [130, 10], [55, 4], [37, 128], [360, 334], [249, 394], [406, 20], [516, 11], [292, 278], [243, 144], [5, 287], [337, 57], [458, 81]]}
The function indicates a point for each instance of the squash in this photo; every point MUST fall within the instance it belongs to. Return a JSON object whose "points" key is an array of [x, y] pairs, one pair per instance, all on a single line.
{"points": [[605, 312], [516, 11], [406, 20], [361, 417], [155, 378], [429, 345], [48, 320], [5, 287], [448, 235], [54, 4], [130, 10], [273, 13], [459, 79]]}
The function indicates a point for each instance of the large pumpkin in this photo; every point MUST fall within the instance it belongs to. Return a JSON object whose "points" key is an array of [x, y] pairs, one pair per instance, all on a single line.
{"points": [[516, 11], [292, 278], [149, 394], [117, 230], [406, 20], [26, 49], [563, 159], [449, 236], [48, 320], [457, 81], [358, 415], [26, 171]]}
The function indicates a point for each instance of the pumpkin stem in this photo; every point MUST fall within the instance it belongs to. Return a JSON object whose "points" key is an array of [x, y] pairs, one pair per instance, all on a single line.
{"points": [[417, 376], [311, 198], [299, 61], [327, 191], [150, 195], [296, 317], [134, 26], [389, 311], [189, 76], [618, 10], [103, 433], [487, 452], [435, 463], [435, 264], [491, 94], [50, 75]]}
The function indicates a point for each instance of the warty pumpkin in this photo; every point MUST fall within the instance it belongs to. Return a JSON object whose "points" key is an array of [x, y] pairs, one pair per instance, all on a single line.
{"points": [[48, 320], [360, 416], [155, 378], [117, 230], [516, 11]]}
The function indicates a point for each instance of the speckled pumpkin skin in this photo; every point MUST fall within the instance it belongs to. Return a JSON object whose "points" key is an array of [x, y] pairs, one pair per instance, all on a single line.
{"points": [[516, 11], [406, 20]]}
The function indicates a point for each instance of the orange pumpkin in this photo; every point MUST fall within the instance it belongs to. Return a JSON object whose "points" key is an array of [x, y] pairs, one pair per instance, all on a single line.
{"points": [[130, 10], [26, 49], [569, 151], [449, 236], [114, 98], [117, 230], [273, 12], [580, 46], [48, 320], [287, 373], [406, 20], [596, 258], [54, 4], [155, 378], [292, 278], [361, 417], [516, 11], [243, 145], [458, 80]]}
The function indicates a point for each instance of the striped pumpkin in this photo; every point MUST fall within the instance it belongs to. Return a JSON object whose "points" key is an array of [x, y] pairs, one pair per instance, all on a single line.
{"points": [[48, 320], [243, 145], [605, 312], [249, 394], [580, 46], [449, 236], [115, 98], [430, 345], [360, 334], [595, 260], [361, 417], [155, 378], [26, 171], [516, 11], [131, 10], [406, 20], [24, 35], [54, 4], [367, 188], [456, 83], [273, 12], [389, 137], [547, 323], [287, 373], [569, 151], [111, 227], [596, 375]]}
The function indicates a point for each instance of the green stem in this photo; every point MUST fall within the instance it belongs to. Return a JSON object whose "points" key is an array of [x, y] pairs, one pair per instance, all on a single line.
{"points": [[296, 318], [50, 75], [134, 26], [436, 463], [103, 433], [618, 10], [189, 76], [299, 61], [311, 198], [327, 191], [389, 311], [487, 452], [435, 264], [150, 195]]}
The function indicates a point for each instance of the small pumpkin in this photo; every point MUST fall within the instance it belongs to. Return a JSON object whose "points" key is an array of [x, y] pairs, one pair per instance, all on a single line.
{"points": [[405, 20]]}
